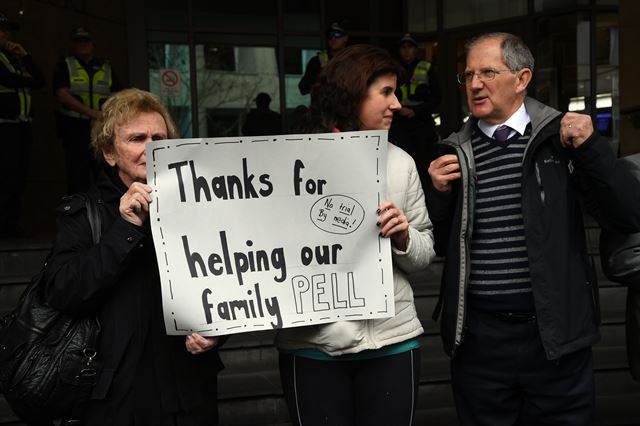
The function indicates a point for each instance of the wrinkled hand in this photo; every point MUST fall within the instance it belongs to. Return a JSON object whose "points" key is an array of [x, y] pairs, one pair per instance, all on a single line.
{"points": [[443, 170], [134, 204], [16, 49], [393, 224], [197, 344], [575, 129]]}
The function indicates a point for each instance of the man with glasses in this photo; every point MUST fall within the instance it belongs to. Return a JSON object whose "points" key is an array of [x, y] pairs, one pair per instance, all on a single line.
{"points": [[519, 296], [337, 39]]}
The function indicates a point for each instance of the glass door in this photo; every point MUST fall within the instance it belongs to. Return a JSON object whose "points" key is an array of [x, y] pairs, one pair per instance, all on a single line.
{"points": [[229, 79], [170, 79]]}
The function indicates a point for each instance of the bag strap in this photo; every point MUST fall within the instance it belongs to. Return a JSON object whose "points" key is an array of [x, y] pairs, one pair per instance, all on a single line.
{"points": [[95, 220]]}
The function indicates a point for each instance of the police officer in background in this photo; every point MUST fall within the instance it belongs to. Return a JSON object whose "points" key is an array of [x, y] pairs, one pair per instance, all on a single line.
{"points": [[337, 39], [413, 128], [82, 83], [18, 75]]}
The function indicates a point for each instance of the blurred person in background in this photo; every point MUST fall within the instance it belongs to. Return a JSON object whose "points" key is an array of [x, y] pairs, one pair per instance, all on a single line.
{"points": [[261, 120], [337, 39], [82, 83], [18, 76], [413, 127]]}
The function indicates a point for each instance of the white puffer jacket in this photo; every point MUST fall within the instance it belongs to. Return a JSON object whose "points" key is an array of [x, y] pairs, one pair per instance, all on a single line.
{"points": [[345, 337]]}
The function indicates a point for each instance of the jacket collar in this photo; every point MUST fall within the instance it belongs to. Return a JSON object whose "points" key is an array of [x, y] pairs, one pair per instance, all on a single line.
{"points": [[539, 113], [109, 184]]}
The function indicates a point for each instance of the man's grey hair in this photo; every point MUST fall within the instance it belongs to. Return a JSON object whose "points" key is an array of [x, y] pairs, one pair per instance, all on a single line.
{"points": [[515, 54]]}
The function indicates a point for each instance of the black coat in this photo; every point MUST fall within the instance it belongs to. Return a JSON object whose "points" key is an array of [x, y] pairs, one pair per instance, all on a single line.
{"points": [[118, 278], [556, 184]]}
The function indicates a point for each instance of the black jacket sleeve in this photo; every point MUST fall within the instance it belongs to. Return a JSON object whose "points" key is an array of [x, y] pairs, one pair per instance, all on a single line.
{"points": [[34, 81], [79, 273], [441, 208]]}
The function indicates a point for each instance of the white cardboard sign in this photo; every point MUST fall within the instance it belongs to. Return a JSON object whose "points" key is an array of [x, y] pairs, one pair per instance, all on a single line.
{"points": [[255, 233]]}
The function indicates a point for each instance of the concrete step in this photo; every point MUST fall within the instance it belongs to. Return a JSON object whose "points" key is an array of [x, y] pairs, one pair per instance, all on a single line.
{"points": [[617, 399], [255, 371], [270, 411]]}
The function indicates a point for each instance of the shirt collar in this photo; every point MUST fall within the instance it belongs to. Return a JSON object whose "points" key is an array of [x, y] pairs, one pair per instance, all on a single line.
{"points": [[518, 122]]}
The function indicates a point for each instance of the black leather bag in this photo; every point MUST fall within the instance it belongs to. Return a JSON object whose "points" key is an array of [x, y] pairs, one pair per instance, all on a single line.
{"points": [[48, 360], [620, 253], [620, 257]]}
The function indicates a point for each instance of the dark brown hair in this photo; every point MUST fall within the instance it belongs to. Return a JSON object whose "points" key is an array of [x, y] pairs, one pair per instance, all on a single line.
{"points": [[342, 87]]}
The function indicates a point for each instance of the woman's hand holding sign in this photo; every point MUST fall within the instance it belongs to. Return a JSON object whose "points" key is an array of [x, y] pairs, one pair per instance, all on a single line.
{"points": [[134, 204], [197, 344], [393, 224]]}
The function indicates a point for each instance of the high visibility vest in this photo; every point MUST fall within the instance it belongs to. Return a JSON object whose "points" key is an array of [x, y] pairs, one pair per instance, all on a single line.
{"points": [[92, 92], [323, 57], [24, 93], [420, 76]]}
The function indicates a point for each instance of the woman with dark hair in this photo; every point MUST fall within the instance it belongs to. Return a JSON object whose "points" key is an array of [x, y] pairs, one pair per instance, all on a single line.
{"points": [[364, 372], [147, 377]]}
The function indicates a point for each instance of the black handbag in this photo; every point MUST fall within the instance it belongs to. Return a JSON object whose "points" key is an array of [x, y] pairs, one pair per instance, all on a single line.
{"points": [[619, 252], [48, 360], [620, 257]]}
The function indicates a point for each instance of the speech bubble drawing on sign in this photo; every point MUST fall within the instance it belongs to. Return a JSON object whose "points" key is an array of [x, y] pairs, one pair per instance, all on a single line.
{"points": [[337, 214]]}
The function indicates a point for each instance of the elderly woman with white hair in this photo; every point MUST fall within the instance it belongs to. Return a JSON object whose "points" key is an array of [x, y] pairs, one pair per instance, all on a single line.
{"points": [[147, 377]]}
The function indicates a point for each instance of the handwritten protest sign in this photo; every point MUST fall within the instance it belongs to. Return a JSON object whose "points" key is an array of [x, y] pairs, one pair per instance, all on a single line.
{"points": [[270, 232]]}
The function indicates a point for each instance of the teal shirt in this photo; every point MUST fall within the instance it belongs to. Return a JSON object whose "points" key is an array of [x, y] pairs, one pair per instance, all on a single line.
{"points": [[394, 349]]}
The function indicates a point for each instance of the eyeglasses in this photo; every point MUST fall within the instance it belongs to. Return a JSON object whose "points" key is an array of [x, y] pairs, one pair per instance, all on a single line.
{"points": [[483, 75], [336, 34]]}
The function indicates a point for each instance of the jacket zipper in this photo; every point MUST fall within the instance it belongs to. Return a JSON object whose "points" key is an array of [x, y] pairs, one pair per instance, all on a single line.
{"points": [[467, 176]]}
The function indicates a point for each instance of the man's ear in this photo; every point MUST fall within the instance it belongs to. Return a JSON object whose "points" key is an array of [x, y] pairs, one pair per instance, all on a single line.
{"points": [[109, 157], [524, 78]]}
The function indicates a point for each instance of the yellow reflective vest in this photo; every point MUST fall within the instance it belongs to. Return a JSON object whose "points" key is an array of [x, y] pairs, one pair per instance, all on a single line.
{"points": [[24, 93], [92, 92], [420, 76], [323, 57]]}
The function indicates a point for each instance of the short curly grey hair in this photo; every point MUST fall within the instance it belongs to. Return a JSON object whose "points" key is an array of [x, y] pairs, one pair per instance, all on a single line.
{"points": [[119, 109]]}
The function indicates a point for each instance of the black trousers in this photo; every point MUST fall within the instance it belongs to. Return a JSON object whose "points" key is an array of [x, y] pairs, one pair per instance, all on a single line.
{"points": [[152, 400], [16, 141], [380, 391], [80, 164], [501, 376]]}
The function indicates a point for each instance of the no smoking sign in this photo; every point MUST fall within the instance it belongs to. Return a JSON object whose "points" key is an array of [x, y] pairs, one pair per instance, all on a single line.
{"points": [[170, 82]]}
